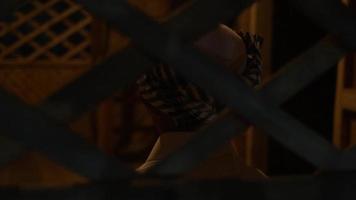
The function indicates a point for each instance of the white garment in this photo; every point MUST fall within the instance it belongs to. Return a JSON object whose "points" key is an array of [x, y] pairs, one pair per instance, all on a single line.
{"points": [[222, 164]]}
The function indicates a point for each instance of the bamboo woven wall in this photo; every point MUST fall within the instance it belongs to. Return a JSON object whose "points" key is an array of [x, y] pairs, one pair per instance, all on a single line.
{"points": [[48, 44], [46, 33]]}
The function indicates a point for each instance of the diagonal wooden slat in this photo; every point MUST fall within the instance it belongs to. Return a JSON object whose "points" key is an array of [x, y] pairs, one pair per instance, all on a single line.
{"points": [[221, 190], [107, 77], [293, 77], [7, 7], [11, 150], [323, 187], [224, 86], [302, 70], [333, 16], [34, 130], [23, 19]]}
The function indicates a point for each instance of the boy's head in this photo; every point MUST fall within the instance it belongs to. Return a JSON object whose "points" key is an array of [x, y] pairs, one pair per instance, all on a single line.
{"points": [[225, 46]]}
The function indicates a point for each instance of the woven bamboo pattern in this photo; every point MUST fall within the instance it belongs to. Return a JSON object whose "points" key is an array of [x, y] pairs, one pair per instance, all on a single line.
{"points": [[46, 33]]}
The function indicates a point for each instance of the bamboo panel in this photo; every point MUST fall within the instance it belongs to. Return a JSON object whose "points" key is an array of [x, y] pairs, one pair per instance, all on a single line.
{"points": [[34, 77], [46, 46], [46, 32]]}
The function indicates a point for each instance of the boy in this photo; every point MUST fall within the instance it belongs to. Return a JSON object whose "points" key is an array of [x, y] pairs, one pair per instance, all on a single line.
{"points": [[180, 108]]}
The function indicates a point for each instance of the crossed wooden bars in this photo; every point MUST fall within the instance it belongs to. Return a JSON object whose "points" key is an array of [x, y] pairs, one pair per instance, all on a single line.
{"points": [[170, 43]]}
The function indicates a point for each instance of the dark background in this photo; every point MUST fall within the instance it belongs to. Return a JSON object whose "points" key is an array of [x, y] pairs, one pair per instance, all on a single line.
{"points": [[292, 35]]}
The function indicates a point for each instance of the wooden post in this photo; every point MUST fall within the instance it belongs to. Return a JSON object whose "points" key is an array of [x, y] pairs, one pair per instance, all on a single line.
{"points": [[345, 99], [253, 146], [339, 124]]}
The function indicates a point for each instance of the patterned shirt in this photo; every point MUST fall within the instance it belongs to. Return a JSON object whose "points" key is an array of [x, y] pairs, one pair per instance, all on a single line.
{"points": [[187, 105]]}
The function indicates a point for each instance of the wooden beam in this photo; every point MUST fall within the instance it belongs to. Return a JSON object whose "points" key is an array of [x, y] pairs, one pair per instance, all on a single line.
{"points": [[348, 99], [345, 98], [258, 19]]}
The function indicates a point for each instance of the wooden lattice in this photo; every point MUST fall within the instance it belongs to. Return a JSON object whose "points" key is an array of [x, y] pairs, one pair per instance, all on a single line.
{"points": [[44, 129], [46, 33]]}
